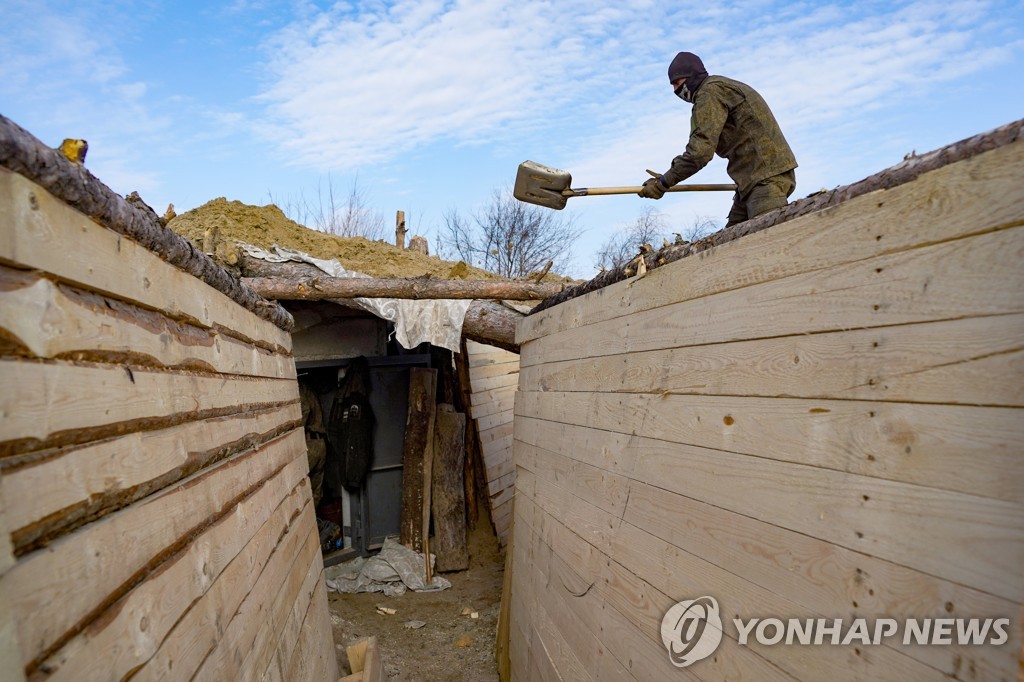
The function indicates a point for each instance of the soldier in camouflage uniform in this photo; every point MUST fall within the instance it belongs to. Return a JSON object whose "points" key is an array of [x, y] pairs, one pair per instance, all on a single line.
{"points": [[730, 118], [316, 439]]}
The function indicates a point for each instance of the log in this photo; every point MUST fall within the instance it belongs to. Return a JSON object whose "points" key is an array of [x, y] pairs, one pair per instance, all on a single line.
{"points": [[417, 458], [904, 172], [486, 321], [24, 154], [465, 405], [448, 500], [417, 288]]}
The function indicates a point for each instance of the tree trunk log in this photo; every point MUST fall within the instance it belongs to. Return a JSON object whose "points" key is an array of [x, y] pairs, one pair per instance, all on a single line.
{"points": [[418, 458], [486, 321], [448, 500], [22, 153], [463, 403], [325, 287]]}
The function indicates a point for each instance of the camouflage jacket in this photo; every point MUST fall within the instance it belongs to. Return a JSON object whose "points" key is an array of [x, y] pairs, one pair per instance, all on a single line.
{"points": [[730, 118]]}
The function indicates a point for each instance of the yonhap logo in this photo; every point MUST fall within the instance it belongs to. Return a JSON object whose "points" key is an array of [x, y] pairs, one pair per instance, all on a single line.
{"points": [[691, 630]]}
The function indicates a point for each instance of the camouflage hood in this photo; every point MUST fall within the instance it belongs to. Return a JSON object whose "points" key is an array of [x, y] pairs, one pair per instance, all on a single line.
{"points": [[689, 66]]}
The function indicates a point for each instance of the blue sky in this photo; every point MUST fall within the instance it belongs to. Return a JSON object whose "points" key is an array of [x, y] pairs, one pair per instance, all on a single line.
{"points": [[433, 104]]}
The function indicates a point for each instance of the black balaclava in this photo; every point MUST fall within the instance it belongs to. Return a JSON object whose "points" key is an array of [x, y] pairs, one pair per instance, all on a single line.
{"points": [[689, 66]]}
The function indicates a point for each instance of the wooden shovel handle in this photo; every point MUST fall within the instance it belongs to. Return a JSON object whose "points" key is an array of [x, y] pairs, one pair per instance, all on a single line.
{"points": [[601, 191]]}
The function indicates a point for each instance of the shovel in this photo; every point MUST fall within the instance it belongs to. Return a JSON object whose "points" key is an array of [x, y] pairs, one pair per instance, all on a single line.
{"points": [[546, 186]]}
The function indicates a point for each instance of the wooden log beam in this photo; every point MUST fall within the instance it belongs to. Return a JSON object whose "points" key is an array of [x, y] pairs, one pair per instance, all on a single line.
{"points": [[416, 288], [22, 153], [486, 321], [418, 457], [448, 499]]}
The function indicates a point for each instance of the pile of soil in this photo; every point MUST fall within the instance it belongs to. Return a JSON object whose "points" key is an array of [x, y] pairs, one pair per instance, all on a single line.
{"points": [[267, 225]]}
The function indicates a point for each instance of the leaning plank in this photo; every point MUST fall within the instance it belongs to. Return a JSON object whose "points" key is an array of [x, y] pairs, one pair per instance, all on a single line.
{"points": [[141, 621], [973, 277], [971, 196], [71, 486], [279, 581], [60, 403], [373, 666], [963, 361], [72, 183], [447, 498], [111, 555], [43, 319], [417, 457], [973, 450], [326, 287]]}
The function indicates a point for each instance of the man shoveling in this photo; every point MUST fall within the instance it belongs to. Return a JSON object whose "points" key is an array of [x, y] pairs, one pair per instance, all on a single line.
{"points": [[732, 119]]}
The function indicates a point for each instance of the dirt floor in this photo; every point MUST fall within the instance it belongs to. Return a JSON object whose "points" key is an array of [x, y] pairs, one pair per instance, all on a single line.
{"points": [[450, 646]]}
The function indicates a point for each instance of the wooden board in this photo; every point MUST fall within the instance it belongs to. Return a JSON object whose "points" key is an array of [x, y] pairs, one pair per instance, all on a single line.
{"points": [[73, 485], [140, 622], [966, 198], [953, 362], [418, 457], [64, 403], [45, 587], [40, 228], [447, 499], [966, 449], [44, 319], [974, 277]]}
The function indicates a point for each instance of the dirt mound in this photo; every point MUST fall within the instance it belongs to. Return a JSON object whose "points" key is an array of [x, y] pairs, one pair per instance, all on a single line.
{"points": [[267, 225]]}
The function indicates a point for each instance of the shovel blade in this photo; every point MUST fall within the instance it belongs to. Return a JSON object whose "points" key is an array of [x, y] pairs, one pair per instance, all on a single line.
{"points": [[541, 185]]}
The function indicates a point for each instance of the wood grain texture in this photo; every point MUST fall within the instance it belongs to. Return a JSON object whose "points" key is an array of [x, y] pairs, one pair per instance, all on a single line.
{"points": [[61, 490], [141, 621], [42, 227], [973, 450], [63, 403], [938, 201], [26, 156], [972, 277], [110, 556], [953, 362], [41, 318]]}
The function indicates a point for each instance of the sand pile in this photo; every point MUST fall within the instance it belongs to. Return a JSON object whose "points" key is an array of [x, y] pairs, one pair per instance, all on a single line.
{"points": [[267, 225]]}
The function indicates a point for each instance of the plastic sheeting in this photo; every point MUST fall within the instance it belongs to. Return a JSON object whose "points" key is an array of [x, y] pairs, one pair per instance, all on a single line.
{"points": [[395, 569], [416, 321]]}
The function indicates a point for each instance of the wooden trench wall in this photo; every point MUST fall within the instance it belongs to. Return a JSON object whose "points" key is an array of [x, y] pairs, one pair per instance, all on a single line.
{"points": [[157, 519], [493, 375], [817, 420]]}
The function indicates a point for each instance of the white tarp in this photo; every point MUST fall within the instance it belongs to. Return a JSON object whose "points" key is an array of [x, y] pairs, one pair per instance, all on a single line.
{"points": [[393, 570], [436, 321]]}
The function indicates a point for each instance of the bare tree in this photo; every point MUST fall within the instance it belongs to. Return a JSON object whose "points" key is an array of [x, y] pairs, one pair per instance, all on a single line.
{"points": [[326, 213], [508, 237], [701, 226], [650, 227]]}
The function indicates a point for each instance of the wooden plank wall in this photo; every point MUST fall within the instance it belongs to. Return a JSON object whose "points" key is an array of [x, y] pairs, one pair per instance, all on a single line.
{"points": [[819, 420], [493, 375], [157, 515]]}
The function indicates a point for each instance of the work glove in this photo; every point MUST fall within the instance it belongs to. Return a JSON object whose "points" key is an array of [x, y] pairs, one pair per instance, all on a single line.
{"points": [[653, 188]]}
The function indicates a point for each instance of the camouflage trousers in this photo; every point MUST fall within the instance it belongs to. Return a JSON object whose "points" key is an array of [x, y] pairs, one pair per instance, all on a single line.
{"points": [[769, 194]]}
